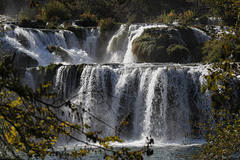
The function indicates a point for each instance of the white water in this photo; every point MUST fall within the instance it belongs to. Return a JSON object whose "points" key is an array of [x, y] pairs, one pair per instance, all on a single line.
{"points": [[37, 40], [161, 98], [125, 55], [34, 42]]}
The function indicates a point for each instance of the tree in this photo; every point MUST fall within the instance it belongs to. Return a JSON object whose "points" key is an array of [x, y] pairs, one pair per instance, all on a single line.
{"points": [[228, 10], [222, 131]]}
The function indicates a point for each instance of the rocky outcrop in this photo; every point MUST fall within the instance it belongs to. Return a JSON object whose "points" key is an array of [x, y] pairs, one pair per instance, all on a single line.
{"points": [[32, 24], [22, 60], [61, 53], [171, 44]]}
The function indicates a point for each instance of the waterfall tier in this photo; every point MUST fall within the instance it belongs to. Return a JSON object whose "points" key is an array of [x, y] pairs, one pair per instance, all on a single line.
{"points": [[34, 45], [161, 100]]}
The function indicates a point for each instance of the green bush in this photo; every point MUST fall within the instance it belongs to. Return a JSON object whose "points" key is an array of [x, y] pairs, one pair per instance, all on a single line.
{"points": [[55, 11], [215, 49], [87, 20], [27, 13], [167, 18], [186, 18]]}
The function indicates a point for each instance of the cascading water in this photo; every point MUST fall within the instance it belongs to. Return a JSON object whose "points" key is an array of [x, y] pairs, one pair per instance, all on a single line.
{"points": [[34, 43], [159, 99]]}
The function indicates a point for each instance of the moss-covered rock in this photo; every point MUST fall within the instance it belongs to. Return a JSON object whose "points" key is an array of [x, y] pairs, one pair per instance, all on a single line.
{"points": [[32, 24], [60, 52], [23, 40], [170, 44], [28, 23], [44, 74], [78, 31], [178, 53], [86, 22]]}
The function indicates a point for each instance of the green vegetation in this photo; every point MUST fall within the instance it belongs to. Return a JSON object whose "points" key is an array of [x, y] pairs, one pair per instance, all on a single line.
{"points": [[134, 11], [172, 44], [55, 11], [228, 10], [178, 53], [215, 49], [185, 18]]}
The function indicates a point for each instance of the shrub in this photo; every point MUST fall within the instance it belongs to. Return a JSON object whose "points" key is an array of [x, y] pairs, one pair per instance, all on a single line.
{"points": [[52, 25], [215, 49], [55, 11], [168, 18], [87, 20], [27, 13], [186, 18]]}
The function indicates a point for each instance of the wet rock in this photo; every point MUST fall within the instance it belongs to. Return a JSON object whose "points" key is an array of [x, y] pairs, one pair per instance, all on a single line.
{"points": [[22, 60], [60, 52]]}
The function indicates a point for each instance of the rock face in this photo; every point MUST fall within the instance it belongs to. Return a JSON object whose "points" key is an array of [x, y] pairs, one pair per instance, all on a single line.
{"points": [[22, 60], [172, 44], [60, 52]]}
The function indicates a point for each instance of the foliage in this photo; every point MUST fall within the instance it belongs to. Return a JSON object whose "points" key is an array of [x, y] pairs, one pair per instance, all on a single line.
{"points": [[228, 10], [215, 49], [87, 20], [133, 11], [186, 18], [223, 129], [168, 18], [55, 11], [27, 13], [223, 84]]}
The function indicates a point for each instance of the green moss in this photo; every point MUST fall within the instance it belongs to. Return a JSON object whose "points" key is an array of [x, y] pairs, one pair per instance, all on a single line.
{"points": [[151, 46], [60, 52], [177, 53]]}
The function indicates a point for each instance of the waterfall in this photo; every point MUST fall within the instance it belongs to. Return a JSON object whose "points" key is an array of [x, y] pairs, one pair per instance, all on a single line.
{"points": [[124, 54], [34, 42], [161, 99], [158, 100]]}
